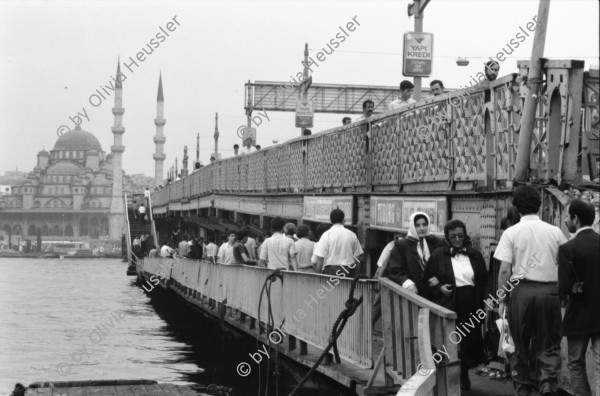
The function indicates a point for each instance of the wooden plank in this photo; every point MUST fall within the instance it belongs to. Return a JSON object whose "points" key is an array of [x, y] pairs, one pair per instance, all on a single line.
{"points": [[170, 389], [187, 391], [452, 372], [407, 339], [31, 392], [124, 390], [44, 391], [154, 390], [420, 301], [109, 390], [138, 390], [387, 317], [76, 391]]}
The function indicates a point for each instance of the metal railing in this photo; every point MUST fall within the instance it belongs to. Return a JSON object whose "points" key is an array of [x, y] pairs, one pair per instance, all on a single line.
{"points": [[412, 327], [150, 213], [305, 306], [127, 229], [467, 137]]}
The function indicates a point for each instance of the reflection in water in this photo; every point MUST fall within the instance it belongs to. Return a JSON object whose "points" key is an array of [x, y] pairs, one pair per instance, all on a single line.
{"points": [[82, 319]]}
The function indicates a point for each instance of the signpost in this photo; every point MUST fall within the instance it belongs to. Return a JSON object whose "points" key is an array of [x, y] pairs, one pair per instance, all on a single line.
{"points": [[247, 132], [304, 114], [418, 54]]}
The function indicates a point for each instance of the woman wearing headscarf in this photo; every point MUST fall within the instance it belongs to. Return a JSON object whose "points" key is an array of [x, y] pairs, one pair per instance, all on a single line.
{"points": [[409, 255], [457, 278]]}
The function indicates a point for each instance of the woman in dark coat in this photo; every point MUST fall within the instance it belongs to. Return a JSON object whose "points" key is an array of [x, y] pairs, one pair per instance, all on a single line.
{"points": [[409, 255], [457, 278]]}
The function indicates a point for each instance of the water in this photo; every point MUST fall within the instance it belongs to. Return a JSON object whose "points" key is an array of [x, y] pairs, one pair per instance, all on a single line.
{"points": [[84, 319]]}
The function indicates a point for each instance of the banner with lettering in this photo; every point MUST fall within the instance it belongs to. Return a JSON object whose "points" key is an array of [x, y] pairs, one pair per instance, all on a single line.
{"points": [[393, 213]]}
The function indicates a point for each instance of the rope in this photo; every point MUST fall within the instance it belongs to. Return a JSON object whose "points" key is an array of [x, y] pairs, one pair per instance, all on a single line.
{"points": [[351, 305], [269, 327]]}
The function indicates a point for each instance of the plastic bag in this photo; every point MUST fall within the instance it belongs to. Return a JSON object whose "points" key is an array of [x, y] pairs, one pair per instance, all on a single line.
{"points": [[506, 345]]}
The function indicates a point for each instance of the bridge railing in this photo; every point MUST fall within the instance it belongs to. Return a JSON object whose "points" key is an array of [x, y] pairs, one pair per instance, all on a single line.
{"points": [[464, 139], [305, 306], [412, 328]]}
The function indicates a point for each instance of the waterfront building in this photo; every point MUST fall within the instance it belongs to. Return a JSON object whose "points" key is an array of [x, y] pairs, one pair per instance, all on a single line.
{"points": [[74, 190]]}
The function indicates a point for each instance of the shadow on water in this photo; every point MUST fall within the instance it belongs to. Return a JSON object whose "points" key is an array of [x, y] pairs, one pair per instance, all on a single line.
{"points": [[220, 352]]}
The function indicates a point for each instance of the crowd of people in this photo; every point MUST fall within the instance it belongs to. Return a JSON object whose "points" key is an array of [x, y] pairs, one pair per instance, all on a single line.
{"points": [[539, 269]]}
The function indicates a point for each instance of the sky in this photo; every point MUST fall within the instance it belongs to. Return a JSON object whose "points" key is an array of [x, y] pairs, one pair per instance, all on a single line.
{"points": [[56, 54]]}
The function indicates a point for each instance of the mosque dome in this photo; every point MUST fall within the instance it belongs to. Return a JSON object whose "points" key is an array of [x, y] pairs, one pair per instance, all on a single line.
{"points": [[64, 168], [44, 152], [77, 140]]}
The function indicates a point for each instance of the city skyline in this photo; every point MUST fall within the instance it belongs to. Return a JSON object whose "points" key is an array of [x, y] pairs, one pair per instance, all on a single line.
{"points": [[65, 66]]}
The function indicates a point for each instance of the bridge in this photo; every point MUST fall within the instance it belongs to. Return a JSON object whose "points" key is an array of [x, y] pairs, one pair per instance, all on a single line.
{"points": [[453, 156]]}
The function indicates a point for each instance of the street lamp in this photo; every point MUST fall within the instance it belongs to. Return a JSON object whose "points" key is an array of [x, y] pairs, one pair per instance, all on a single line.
{"points": [[462, 62]]}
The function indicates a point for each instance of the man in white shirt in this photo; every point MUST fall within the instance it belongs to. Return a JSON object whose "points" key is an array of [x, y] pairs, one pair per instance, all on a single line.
{"points": [[339, 250], [528, 250], [304, 247], [278, 251], [211, 251], [225, 255], [405, 98], [166, 251], [184, 248], [248, 148], [368, 107]]}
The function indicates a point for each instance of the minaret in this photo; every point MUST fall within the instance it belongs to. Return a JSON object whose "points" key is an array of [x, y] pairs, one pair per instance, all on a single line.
{"points": [[198, 147], [117, 208], [159, 156], [176, 170], [184, 170], [216, 136]]}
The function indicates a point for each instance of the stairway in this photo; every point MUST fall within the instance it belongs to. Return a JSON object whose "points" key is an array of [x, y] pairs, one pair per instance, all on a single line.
{"points": [[137, 226]]}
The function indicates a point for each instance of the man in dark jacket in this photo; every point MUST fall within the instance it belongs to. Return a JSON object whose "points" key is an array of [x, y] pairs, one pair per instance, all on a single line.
{"points": [[578, 280]]}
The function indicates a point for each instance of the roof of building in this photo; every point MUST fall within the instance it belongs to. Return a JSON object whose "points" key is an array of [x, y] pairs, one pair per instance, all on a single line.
{"points": [[77, 140], [64, 168], [100, 181]]}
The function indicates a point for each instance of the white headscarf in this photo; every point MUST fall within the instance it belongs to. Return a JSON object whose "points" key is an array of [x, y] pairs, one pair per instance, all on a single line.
{"points": [[422, 247]]}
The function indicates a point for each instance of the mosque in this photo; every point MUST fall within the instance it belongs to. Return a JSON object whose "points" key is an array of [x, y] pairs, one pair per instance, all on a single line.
{"points": [[76, 190]]}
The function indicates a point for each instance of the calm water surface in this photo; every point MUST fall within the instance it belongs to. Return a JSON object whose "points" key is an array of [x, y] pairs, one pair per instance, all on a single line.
{"points": [[83, 319]]}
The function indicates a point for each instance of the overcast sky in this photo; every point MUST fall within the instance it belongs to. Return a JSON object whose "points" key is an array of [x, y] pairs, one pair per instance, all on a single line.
{"points": [[55, 54]]}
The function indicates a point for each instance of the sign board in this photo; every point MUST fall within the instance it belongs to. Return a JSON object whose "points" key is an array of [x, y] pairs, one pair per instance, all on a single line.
{"points": [[393, 213], [319, 208], [304, 114], [246, 133], [417, 57]]}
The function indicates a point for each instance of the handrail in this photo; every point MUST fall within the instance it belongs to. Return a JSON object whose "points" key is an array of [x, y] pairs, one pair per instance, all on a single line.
{"points": [[412, 326], [466, 136], [128, 236], [302, 305], [423, 381], [152, 220]]}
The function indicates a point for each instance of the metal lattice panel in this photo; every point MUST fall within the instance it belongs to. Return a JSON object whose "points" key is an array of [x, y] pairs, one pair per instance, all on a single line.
{"points": [[423, 145], [469, 139], [283, 174], [334, 156], [355, 169], [296, 166], [384, 149], [229, 170], [503, 130], [244, 173], [314, 177], [272, 168]]}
